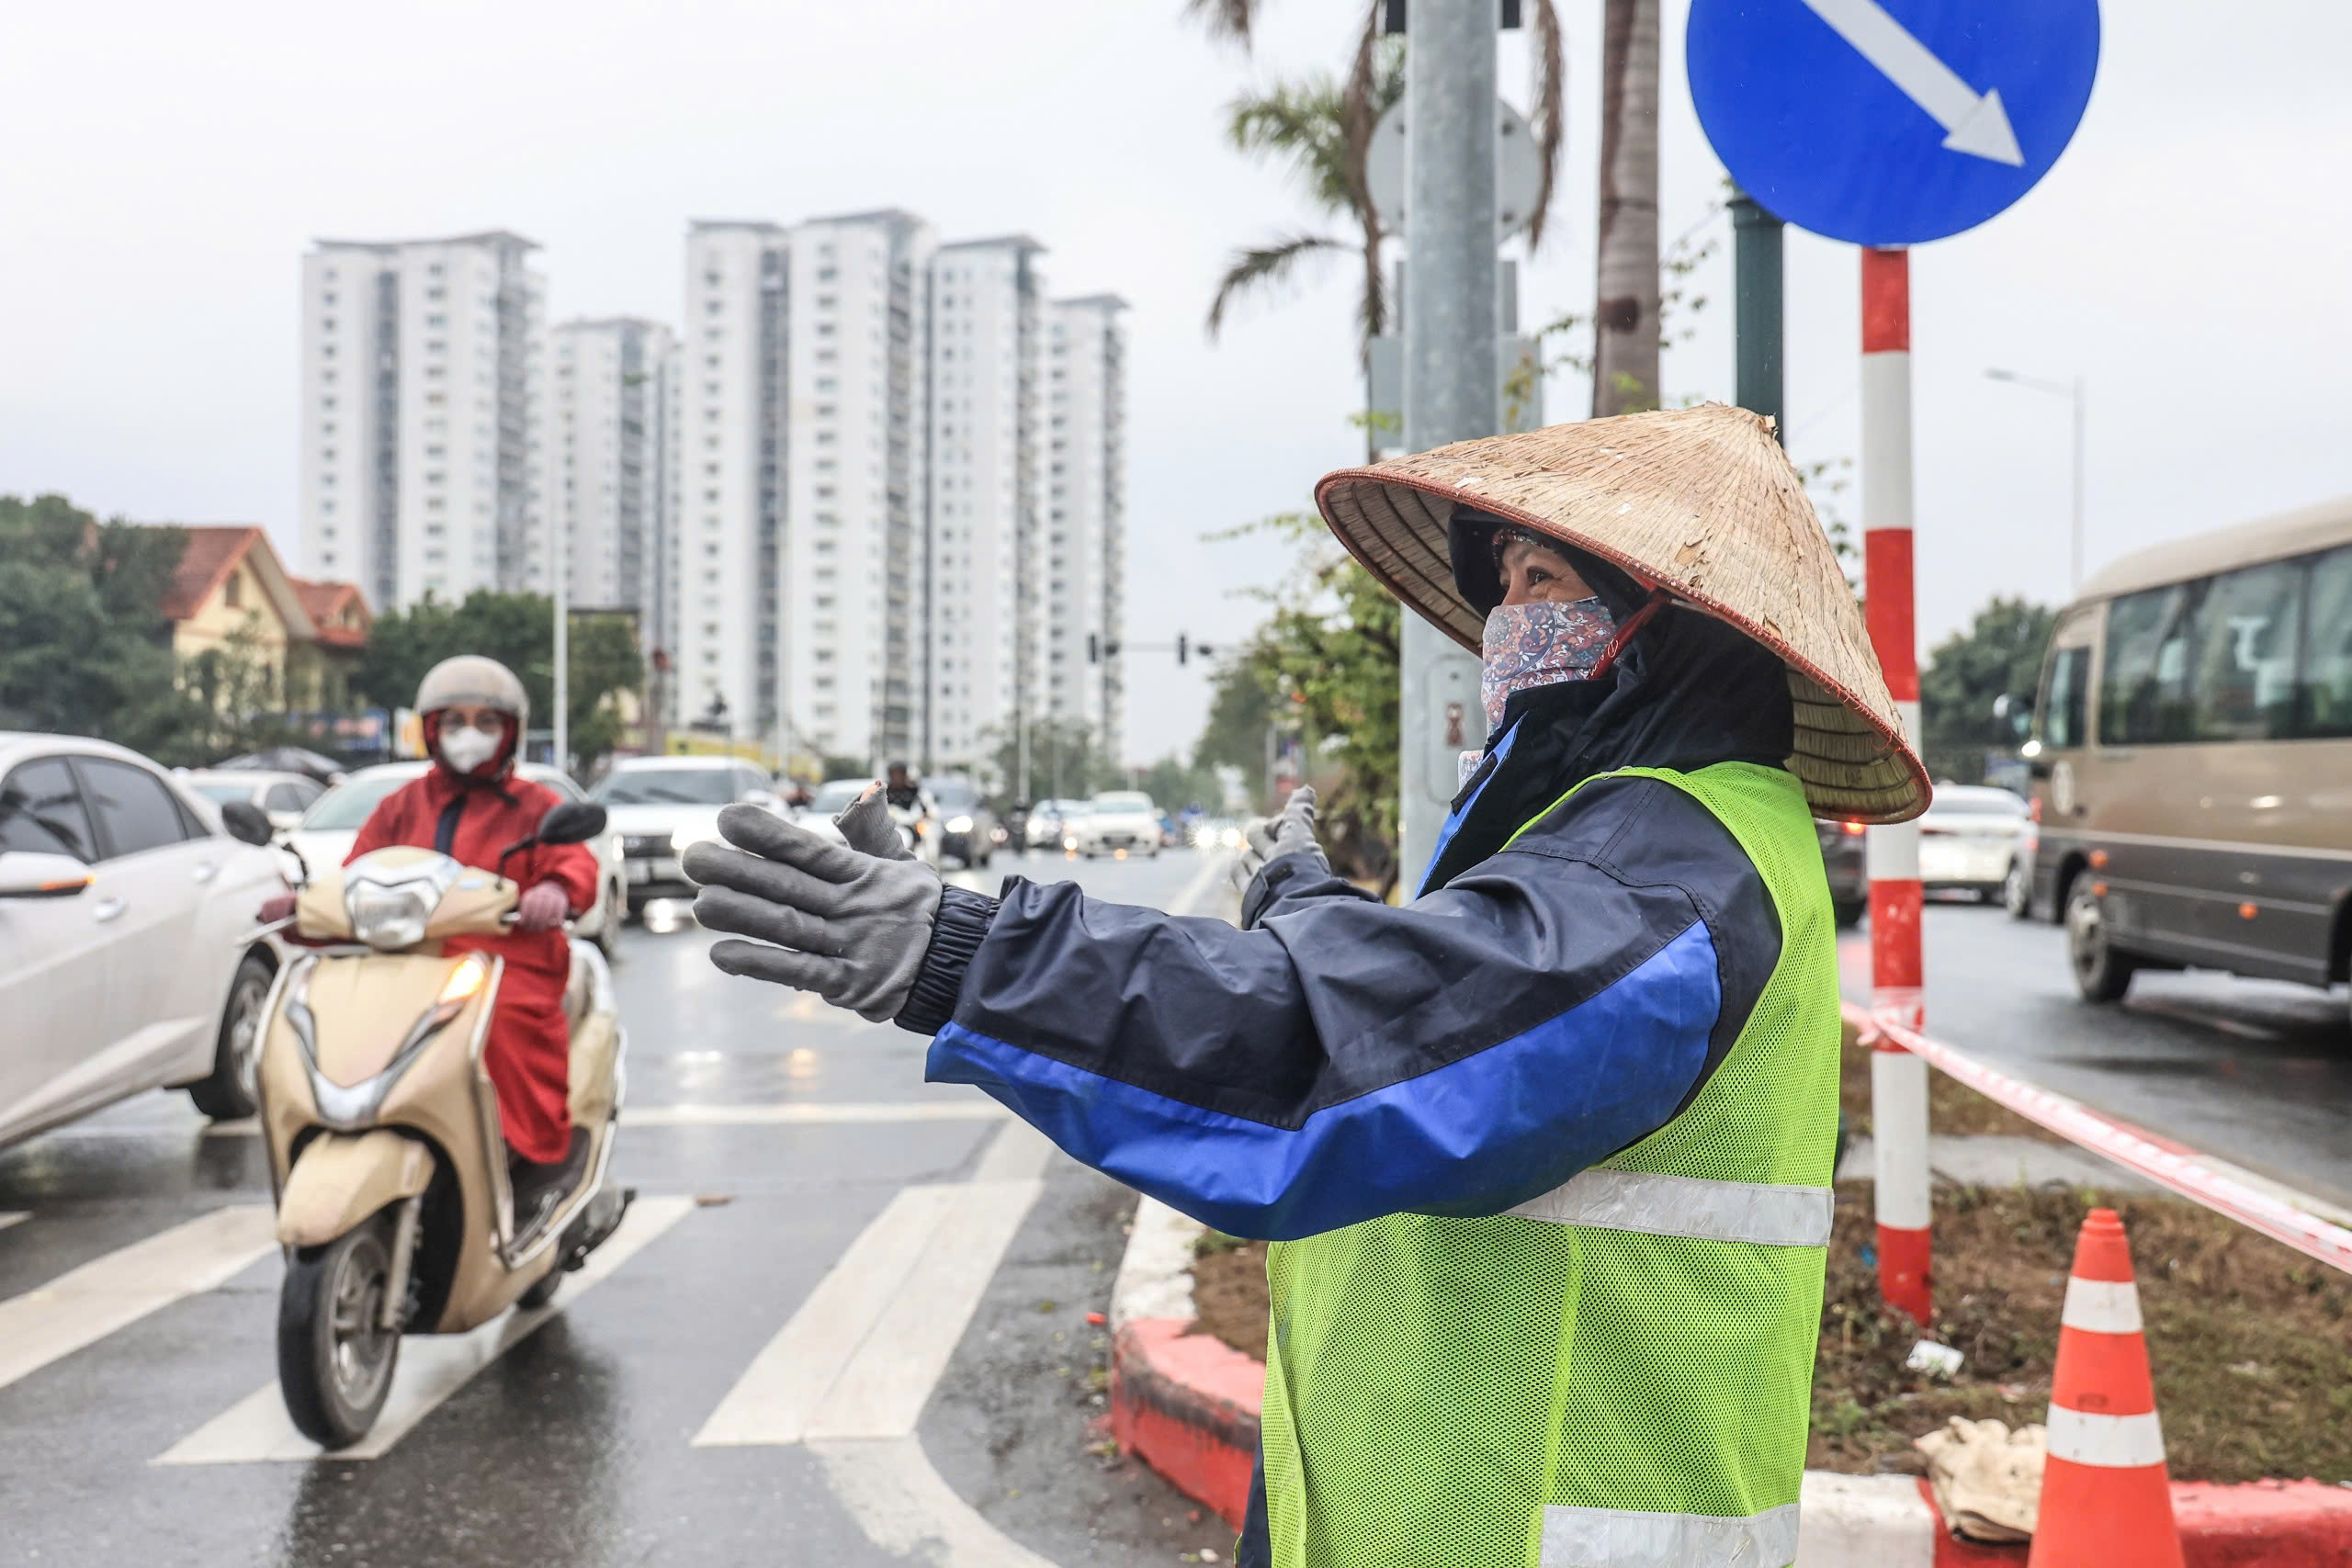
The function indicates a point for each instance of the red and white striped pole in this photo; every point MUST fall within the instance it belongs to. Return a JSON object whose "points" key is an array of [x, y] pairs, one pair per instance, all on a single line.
{"points": [[1898, 1078]]}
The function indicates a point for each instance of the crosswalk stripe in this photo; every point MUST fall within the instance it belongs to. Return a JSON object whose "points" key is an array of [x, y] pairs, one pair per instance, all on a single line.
{"points": [[795, 1113], [860, 1358], [256, 1429], [85, 1304]]}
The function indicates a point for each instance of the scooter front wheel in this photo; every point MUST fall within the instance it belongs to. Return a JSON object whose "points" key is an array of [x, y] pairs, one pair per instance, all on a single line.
{"points": [[335, 1356]]}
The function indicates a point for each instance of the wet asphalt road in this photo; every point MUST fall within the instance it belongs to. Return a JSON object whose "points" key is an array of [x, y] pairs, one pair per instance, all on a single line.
{"points": [[2258, 1072], [576, 1445]]}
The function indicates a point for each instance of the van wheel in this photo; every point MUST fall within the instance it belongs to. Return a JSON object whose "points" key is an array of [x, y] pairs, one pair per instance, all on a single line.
{"points": [[228, 1092], [2016, 892], [2102, 974], [335, 1357]]}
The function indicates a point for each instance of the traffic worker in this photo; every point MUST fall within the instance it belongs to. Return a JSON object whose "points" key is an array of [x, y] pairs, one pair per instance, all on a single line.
{"points": [[1546, 1151]]}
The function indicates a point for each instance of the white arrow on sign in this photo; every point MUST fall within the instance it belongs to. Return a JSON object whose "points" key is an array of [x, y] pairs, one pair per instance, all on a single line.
{"points": [[1977, 125]]}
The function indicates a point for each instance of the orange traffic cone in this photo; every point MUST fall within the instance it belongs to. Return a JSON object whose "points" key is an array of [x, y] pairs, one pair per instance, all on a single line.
{"points": [[2105, 1499]]}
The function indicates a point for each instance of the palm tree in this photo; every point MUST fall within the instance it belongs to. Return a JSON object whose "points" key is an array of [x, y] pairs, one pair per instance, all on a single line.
{"points": [[1626, 315], [1324, 128]]}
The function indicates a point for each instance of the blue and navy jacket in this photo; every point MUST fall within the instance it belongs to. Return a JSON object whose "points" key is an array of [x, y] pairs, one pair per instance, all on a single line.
{"points": [[1551, 996]]}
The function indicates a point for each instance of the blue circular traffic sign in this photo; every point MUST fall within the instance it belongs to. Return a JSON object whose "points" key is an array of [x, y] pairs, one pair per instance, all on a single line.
{"points": [[1890, 123]]}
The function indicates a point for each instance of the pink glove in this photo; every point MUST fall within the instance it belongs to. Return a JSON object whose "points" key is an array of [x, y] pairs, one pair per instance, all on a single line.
{"points": [[543, 908], [275, 908]]}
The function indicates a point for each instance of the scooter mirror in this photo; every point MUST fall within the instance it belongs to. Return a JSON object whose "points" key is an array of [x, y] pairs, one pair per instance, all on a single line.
{"points": [[573, 822], [246, 822]]}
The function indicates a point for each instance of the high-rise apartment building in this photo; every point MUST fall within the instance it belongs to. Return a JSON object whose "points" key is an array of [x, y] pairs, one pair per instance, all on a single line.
{"points": [[1083, 544], [987, 321], [423, 404], [800, 472], [608, 462]]}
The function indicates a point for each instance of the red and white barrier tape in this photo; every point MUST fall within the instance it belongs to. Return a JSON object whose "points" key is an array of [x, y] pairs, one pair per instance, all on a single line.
{"points": [[2167, 1164]]}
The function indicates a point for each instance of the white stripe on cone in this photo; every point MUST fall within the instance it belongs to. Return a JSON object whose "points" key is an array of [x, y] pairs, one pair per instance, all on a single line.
{"points": [[2102, 1306], [2110, 1442]]}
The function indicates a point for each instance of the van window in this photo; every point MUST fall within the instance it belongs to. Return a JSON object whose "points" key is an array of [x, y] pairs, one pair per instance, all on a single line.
{"points": [[2241, 681], [2061, 704], [2142, 698], [2327, 648]]}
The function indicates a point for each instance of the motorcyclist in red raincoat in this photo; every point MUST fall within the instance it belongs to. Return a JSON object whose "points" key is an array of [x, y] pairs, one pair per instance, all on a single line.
{"points": [[471, 805]]}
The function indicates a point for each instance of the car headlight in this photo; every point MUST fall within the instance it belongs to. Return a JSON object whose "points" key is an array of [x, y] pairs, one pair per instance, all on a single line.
{"points": [[388, 918], [1070, 842], [959, 824]]}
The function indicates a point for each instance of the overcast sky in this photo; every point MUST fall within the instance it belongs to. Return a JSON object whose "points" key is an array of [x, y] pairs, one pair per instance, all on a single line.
{"points": [[166, 165]]}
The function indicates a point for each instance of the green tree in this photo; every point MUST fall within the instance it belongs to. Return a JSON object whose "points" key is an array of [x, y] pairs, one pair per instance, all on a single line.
{"points": [[1175, 784], [1326, 659], [518, 630], [84, 645], [1239, 712], [1999, 653], [1065, 763]]}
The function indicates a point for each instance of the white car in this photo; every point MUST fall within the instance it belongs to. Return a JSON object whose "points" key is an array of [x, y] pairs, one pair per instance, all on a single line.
{"points": [[326, 832], [1115, 822], [1970, 837], [284, 796], [129, 956], [659, 806]]}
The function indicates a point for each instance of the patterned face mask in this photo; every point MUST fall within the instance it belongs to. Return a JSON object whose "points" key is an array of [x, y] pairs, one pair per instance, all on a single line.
{"points": [[1541, 645]]}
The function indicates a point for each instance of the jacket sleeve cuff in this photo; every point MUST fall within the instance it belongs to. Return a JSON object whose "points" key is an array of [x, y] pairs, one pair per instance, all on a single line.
{"points": [[956, 932]]}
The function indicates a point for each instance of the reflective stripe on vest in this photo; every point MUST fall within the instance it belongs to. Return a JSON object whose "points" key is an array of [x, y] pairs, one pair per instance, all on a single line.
{"points": [[1653, 1204], [1624, 1538]]}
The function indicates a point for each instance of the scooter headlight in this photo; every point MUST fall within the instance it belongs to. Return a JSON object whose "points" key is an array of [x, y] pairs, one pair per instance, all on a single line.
{"points": [[349, 1106], [389, 919], [959, 824]]}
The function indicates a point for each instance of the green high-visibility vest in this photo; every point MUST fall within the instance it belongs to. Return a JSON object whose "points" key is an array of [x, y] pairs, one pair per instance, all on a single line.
{"points": [[1616, 1374]]}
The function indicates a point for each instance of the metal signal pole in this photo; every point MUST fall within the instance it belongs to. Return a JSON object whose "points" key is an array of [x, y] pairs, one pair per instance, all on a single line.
{"points": [[1451, 316]]}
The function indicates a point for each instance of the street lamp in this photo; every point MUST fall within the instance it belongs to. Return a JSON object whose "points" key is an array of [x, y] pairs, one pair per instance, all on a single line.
{"points": [[2073, 392]]}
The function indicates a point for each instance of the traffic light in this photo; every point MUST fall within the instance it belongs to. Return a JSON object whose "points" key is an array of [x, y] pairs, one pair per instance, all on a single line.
{"points": [[1094, 648], [1180, 648]]}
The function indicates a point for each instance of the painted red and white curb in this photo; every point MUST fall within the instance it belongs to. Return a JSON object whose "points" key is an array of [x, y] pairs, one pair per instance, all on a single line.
{"points": [[1188, 1404]]}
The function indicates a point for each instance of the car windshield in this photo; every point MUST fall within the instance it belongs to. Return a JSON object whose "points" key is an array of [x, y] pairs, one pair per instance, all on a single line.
{"points": [[666, 786], [838, 796], [344, 808], [1125, 803], [1977, 803], [956, 797], [225, 790], [1069, 807]]}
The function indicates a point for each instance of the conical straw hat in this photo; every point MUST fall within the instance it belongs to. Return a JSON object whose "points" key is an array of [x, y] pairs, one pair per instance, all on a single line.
{"points": [[1701, 501]]}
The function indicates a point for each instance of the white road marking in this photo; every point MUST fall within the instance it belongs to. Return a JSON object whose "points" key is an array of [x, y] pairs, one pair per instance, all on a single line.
{"points": [[12, 1217], [85, 1304], [903, 1506], [795, 1113], [808, 1111], [432, 1367], [861, 1355], [1188, 901]]}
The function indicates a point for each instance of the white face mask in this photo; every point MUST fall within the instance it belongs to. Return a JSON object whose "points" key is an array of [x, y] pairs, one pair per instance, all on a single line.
{"points": [[465, 750]]}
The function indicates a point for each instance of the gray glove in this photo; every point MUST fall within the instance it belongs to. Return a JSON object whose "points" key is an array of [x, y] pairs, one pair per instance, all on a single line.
{"points": [[868, 827], [854, 928], [1270, 838]]}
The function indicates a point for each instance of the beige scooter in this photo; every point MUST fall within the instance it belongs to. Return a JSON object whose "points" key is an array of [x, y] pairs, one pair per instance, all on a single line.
{"points": [[394, 1204]]}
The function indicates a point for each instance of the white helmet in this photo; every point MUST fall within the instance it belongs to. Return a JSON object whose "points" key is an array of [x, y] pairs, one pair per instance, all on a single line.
{"points": [[472, 678]]}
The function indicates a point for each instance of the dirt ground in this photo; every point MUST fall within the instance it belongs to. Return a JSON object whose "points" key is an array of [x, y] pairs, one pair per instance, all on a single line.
{"points": [[2250, 1342]]}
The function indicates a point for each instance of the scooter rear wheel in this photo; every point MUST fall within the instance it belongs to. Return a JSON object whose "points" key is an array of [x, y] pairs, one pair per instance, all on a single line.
{"points": [[335, 1357]]}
